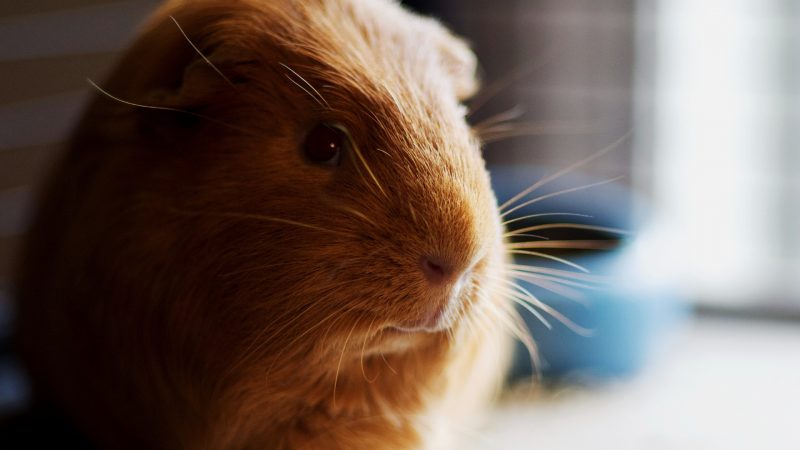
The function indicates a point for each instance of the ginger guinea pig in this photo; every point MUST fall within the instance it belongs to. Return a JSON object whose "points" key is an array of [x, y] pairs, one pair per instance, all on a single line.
{"points": [[273, 228]]}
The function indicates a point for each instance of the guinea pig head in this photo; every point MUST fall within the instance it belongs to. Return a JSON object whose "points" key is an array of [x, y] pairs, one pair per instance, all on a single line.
{"points": [[328, 141]]}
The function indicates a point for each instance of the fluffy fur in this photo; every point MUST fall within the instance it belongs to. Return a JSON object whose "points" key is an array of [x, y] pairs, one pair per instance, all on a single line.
{"points": [[191, 282]]}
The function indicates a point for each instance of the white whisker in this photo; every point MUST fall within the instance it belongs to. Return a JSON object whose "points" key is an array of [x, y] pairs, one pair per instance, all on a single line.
{"points": [[167, 108], [341, 357], [532, 216], [576, 244], [552, 312], [557, 193], [515, 286], [556, 288], [558, 272], [552, 258], [201, 53], [535, 277], [566, 170], [512, 113], [318, 97]]}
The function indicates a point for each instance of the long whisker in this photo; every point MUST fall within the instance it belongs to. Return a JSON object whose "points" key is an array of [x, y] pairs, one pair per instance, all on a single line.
{"points": [[499, 132], [260, 341], [305, 333], [575, 244], [475, 321], [533, 216], [516, 298], [258, 217], [510, 114], [534, 278], [527, 296], [515, 324], [253, 348], [482, 323], [555, 287], [551, 257], [341, 357], [318, 97], [566, 170], [561, 192], [363, 347], [536, 236], [355, 213], [574, 226], [363, 161], [578, 329], [167, 108], [201, 53], [558, 272], [515, 286], [305, 90], [387, 364]]}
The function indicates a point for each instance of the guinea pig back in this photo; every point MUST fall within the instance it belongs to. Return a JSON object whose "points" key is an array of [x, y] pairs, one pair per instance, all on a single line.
{"points": [[273, 228]]}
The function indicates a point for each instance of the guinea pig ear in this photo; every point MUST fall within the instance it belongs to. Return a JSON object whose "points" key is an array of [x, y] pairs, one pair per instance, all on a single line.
{"points": [[460, 63], [202, 78]]}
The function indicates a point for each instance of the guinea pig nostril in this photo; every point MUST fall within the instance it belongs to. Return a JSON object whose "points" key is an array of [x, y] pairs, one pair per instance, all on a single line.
{"points": [[434, 270]]}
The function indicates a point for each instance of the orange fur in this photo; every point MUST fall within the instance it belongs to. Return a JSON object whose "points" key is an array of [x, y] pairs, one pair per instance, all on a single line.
{"points": [[190, 281]]}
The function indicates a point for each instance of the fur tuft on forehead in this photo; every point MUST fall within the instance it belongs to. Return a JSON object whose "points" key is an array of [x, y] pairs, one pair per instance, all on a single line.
{"points": [[361, 46]]}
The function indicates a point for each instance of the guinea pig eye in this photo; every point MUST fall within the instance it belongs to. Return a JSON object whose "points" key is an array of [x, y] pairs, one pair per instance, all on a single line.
{"points": [[324, 144]]}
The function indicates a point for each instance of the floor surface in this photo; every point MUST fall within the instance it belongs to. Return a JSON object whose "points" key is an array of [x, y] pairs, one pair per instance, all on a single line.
{"points": [[721, 385]]}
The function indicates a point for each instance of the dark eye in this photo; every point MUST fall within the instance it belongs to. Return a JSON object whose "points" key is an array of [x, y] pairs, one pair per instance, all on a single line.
{"points": [[324, 144]]}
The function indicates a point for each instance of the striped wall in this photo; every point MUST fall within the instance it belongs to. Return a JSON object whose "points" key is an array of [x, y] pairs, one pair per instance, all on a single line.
{"points": [[47, 50]]}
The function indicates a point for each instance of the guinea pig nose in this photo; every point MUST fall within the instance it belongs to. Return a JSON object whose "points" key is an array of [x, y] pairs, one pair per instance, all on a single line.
{"points": [[435, 270]]}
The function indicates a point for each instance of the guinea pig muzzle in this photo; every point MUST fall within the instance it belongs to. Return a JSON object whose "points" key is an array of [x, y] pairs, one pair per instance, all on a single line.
{"points": [[444, 286]]}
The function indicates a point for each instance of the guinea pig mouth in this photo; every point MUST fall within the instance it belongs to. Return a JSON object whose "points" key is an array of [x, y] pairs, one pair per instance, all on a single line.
{"points": [[440, 315], [431, 322]]}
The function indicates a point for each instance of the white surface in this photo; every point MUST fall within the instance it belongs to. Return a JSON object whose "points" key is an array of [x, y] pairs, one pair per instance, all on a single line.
{"points": [[723, 385], [722, 172]]}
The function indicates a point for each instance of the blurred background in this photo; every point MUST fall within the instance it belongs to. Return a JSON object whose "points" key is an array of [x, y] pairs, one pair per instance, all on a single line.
{"points": [[687, 324]]}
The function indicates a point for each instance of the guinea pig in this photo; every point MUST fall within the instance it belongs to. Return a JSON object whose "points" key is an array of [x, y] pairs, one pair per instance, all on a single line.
{"points": [[272, 228]]}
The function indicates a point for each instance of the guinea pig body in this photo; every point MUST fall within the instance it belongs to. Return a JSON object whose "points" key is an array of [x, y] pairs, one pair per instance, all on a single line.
{"points": [[273, 231]]}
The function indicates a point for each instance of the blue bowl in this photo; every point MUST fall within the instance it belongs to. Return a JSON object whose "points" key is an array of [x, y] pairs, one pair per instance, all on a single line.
{"points": [[621, 323]]}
